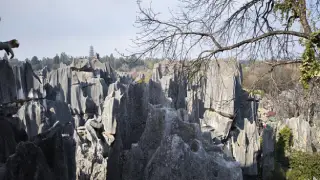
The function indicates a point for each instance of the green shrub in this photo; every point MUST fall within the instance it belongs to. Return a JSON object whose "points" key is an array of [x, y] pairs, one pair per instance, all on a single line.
{"points": [[278, 172], [257, 92], [292, 164], [285, 134], [304, 166], [283, 145]]}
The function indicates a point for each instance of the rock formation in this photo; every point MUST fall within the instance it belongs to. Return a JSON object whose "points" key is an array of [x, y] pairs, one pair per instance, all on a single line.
{"points": [[82, 122]]}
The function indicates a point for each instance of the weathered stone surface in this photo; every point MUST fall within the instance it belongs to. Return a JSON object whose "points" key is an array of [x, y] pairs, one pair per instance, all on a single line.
{"points": [[218, 125], [221, 86], [173, 84], [78, 121], [38, 116], [137, 109], [218, 101], [126, 107], [96, 89], [315, 138], [79, 86], [8, 90], [90, 163], [79, 102], [92, 149], [104, 71], [28, 163], [53, 147], [109, 117], [17, 82], [213, 97], [87, 170], [175, 159], [26, 80], [157, 94], [7, 140], [141, 137], [43, 157], [173, 149], [268, 142], [301, 132], [81, 65], [2, 171], [245, 138], [246, 146], [60, 82]]}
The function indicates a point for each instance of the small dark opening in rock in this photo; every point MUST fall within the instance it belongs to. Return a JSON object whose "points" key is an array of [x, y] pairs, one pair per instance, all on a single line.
{"points": [[194, 146]]}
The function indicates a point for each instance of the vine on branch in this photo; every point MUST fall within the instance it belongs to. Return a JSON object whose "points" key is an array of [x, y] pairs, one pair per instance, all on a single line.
{"points": [[286, 8], [310, 67]]}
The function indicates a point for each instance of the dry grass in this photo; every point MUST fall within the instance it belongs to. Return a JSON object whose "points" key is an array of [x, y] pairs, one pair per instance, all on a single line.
{"points": [[257, 76]]}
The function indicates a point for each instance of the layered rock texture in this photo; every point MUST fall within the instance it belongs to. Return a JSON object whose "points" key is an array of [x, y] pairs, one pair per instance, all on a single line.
{"points": [[83, 122]]}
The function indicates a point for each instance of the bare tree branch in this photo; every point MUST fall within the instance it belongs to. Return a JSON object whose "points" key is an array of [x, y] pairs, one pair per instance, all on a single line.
{"points": [[205, 30], [252, 40]]}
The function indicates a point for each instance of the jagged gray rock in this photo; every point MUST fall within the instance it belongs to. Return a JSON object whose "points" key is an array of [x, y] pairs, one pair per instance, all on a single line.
{"points": [[221, 93], [170, 79], [28, 163], [245, 136], [51, 142], [26, 80], [301, 132], [91, 159], [215, 101], [166, 141], [104, 71], [215, 124], [60, 83], [141, 133], [7, 140], [38, 116], [97, 89], [80, 86], [268, 141], [8, 91], [44, 157]]}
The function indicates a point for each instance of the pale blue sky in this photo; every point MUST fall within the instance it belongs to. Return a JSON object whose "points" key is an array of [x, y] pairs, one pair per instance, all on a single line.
{"points": [[47, 27]]}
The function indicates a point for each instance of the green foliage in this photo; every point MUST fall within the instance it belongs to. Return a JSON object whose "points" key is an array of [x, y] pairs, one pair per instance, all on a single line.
{"points": [[150, 63], [304, 166], [301, 165], [287, 9], [146, 79], [315, 38], [310, 67], [282, 146], [285, 138], [278, 172], [255, 91]]}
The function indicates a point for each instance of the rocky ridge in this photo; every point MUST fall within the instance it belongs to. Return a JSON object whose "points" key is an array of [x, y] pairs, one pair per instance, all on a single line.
{"points": [[104, 127]]}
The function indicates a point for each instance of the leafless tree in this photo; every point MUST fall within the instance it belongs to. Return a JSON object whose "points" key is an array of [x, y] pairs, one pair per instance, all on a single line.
{"points": [[202, 30]]}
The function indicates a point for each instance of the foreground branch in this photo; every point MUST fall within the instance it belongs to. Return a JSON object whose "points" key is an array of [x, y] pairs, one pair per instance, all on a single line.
{"points": [[252, 40]]}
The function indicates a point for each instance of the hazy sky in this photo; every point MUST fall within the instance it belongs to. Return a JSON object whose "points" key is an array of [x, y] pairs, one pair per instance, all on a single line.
{"points": [[47, 27]]}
